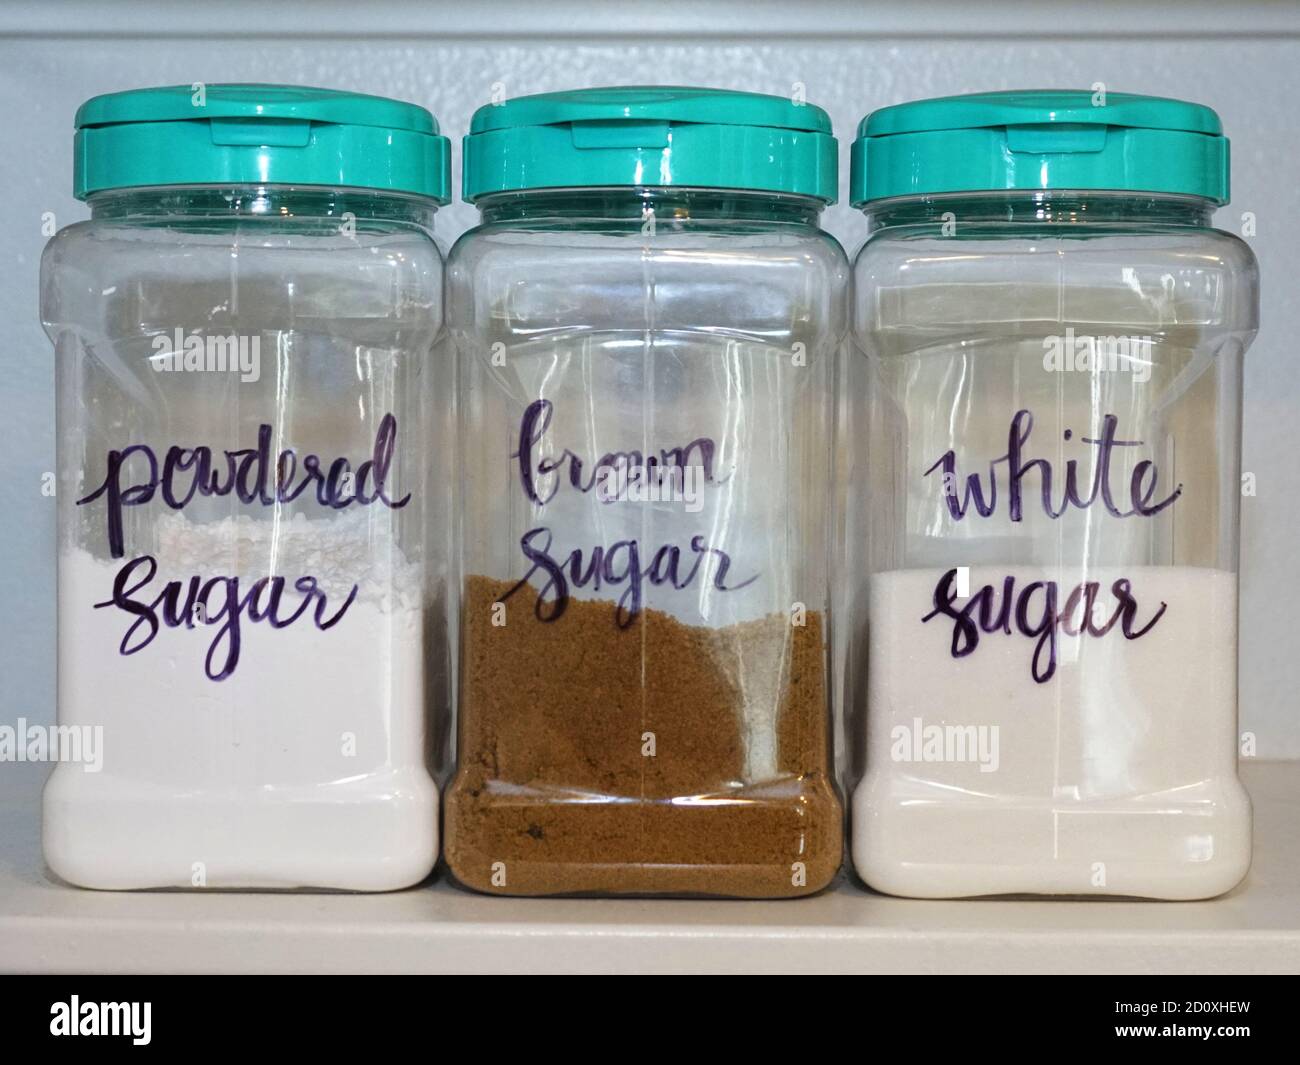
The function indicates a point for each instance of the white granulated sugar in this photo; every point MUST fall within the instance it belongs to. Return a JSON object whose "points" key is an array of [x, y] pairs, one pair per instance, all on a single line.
{"points": [[1116, 776]]}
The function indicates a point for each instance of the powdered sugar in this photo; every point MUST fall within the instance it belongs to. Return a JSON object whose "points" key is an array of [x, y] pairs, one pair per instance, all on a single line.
{"points": [[303, 766]]}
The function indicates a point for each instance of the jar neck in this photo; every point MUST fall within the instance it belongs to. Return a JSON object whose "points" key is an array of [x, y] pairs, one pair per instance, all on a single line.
{"points": [[270, 202], [1047, 208], [633, 204]]}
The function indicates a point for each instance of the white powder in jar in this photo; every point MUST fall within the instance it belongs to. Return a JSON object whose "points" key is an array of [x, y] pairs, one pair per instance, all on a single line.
{"points": [[304, 767]]}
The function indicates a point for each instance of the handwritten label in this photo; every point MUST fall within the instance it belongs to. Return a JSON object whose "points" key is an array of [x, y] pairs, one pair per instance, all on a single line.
{"points": [[1035, 611], [1142, 482], [136, 477], [247, 474], [626, 565], [180, 602]]}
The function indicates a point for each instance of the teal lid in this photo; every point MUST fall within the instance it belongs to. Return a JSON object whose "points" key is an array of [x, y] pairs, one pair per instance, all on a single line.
{"points": [[258, 135], [1040, 139], [651, 137]]}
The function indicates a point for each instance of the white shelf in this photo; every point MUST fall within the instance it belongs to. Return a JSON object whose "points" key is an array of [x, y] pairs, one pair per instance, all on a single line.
{"points": [[46, 926]]}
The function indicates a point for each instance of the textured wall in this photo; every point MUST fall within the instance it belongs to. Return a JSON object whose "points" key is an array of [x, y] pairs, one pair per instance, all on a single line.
{"points": [[1244, 60]]}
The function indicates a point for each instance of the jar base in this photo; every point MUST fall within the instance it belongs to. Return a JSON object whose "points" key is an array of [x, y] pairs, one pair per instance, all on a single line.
{"points": [[376, 834], [1187, 843], [735, 844]]}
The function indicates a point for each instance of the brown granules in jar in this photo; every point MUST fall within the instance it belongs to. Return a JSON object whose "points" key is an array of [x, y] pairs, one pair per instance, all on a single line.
{"points": [[556, 790]]}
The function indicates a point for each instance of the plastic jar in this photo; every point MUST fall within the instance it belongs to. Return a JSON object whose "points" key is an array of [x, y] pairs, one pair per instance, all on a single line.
{"points": [[645, 324], [1045, 418], [247, 602]]}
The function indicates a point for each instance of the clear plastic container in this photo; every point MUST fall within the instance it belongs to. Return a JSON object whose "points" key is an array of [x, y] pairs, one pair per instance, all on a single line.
{"points": [[252, 555], [645, 390], [1042, 425]]}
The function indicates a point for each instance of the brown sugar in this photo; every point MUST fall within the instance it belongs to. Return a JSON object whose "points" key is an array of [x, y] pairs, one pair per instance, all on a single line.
{"points": [[656, 758]]}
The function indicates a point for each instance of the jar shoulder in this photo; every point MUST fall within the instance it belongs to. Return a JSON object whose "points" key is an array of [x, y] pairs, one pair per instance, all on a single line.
{"points": [[779, 282], [1157, 276], [501, 245], [912, 247], [119, 241], [68, 243], [96, 270]]}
